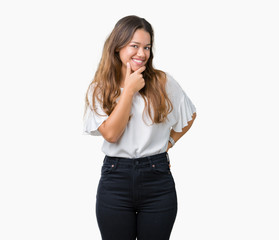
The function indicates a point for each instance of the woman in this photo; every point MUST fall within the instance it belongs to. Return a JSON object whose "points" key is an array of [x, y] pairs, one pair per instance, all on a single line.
{"points": [[140, 112]]}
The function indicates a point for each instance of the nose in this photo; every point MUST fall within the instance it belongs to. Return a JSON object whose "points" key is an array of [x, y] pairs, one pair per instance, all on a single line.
{"points": [[140, 52]]}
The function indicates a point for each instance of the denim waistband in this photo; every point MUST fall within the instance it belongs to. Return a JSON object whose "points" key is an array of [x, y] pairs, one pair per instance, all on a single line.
{"points": [[138, 161]]}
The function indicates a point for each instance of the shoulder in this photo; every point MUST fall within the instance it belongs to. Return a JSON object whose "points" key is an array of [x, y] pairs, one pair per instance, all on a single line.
{"points": [[93, 91], [91, 88], [173, 88]]}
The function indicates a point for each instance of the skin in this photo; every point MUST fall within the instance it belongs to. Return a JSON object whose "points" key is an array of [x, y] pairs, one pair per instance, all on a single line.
{"points": [[133, 56], [177, 135], [136, 53]]}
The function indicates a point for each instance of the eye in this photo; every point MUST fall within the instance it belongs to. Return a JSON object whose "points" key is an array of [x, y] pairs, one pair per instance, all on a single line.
{"points": [[147, 48], [134, 46]]}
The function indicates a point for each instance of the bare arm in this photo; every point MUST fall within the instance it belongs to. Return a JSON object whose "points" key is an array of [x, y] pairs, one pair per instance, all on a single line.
{"points": [[113, 128], [177, 135]]}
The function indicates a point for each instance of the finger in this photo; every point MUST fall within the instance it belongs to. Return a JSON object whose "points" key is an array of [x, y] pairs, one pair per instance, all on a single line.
{"points": [[128, 69], [140, 70]]}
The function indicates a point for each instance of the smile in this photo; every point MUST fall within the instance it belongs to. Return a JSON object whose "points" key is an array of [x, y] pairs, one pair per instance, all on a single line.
{"points": [[137, 61]]}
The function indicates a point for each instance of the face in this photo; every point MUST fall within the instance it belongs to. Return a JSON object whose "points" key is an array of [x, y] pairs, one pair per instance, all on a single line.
{"points": [[137, 51]]}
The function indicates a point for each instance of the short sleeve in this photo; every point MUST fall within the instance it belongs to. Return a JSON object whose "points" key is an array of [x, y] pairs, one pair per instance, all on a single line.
{"points": [[92, 121], [183, 108], [184, 113]]}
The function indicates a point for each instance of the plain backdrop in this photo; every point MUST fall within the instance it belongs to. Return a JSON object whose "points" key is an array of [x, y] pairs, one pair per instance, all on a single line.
{"points": [[224, 54]]}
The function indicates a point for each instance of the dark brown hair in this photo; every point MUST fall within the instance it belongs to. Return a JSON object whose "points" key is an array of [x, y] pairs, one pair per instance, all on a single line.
{"points": [[106, 82]]}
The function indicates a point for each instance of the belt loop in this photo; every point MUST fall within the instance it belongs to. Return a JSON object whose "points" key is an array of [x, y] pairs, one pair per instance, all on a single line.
{"points": [[116, 162], [168, 159]]}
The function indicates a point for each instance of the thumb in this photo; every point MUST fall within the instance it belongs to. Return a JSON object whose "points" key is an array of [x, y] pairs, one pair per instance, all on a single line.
{"points": [[128, 69]]}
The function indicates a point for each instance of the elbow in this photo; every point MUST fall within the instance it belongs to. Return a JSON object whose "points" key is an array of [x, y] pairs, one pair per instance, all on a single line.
{"points": [[109, 134], [111, 139], [194, 116]]}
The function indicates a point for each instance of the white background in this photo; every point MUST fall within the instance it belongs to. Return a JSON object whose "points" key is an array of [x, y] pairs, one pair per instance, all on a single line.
{"points": [[225, 56]]}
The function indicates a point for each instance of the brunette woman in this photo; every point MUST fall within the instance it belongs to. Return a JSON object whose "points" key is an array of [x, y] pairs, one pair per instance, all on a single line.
{"points": [[140, 112]]}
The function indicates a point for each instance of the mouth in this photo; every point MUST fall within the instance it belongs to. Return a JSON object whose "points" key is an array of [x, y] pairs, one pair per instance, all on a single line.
{"points": [[137, 61]]}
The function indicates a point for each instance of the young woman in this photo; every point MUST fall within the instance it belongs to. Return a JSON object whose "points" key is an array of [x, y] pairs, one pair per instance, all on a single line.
{"points": [[140, 112]]}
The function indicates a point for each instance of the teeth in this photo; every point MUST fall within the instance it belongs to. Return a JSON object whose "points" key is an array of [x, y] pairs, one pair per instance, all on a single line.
{"points": [[138, 61]]}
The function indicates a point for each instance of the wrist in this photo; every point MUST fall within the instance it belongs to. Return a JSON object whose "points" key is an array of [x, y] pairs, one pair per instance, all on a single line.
{"points": [[171, 141], [128, 92], [169, 145]]}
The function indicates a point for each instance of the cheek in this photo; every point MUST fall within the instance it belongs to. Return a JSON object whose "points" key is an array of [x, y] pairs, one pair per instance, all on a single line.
{"points": [[126, 53]]}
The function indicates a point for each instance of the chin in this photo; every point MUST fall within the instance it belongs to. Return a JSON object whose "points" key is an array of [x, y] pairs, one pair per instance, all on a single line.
{"points": [[135, 68]]}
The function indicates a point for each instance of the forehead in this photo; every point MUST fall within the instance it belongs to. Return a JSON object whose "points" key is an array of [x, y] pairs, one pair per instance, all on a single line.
{"points": [[142, 37]]}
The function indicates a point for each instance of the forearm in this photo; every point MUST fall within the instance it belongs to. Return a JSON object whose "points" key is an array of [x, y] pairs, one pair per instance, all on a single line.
{"points": [[113, 128]]}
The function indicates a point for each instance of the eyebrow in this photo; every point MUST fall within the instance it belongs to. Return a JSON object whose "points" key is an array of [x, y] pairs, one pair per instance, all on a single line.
{"points": [[139, 43]]}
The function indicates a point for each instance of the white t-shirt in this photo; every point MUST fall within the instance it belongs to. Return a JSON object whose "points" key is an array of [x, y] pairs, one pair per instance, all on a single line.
{"points": [[141, 138]]}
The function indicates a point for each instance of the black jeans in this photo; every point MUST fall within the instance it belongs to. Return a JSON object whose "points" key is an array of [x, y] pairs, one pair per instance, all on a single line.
{"points": [[136, 198]]}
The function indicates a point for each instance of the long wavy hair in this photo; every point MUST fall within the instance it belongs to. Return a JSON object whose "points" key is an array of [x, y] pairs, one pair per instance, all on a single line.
{"points": [[106, 82]]}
